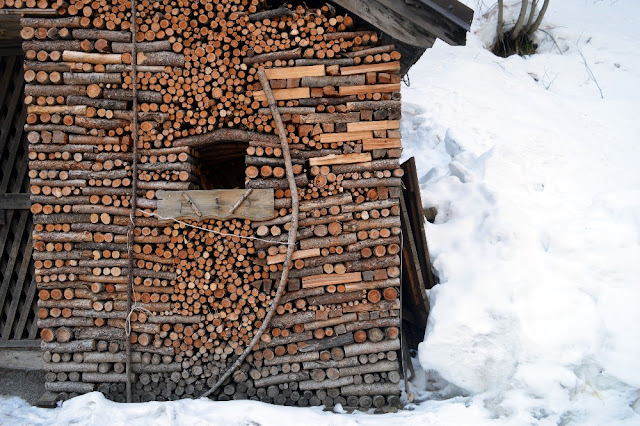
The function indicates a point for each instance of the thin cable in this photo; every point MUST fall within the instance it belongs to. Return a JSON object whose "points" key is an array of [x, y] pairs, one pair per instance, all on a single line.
{"points": [[134, 195], [223, 234]]}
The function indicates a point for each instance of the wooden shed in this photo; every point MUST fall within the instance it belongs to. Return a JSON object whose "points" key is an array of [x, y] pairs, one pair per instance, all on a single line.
{"points": [[163, 255]]}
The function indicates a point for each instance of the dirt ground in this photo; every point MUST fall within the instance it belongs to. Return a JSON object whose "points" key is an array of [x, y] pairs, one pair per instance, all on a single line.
{"points": [[26, 384]]}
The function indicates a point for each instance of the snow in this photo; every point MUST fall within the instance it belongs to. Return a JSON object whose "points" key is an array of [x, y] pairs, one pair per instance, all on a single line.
{"points": [[535, 176]]}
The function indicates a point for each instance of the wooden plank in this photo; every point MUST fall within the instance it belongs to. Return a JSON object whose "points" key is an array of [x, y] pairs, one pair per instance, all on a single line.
{"points": [[216, 204], [284, 94], [295, 72], [18, 228], [14, 106], [413, 24], [298, 254], [15, 202], [373, 125], [371, 88], [340, 159], [18, 344], [27, 309], [336, 117], [322, 280], [384, 305], [345, 136], [414, 204], [381, 143], [18, 285], [393, 66], [52, 109]]}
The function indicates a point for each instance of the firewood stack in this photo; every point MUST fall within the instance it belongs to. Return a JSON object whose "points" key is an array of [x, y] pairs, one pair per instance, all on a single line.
{"points": [[200, 295]]}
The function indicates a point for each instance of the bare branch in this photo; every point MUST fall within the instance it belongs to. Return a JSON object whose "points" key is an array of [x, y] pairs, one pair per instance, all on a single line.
{"points": [[500, 21], [532, 15], [538, 20], [518, 27]]}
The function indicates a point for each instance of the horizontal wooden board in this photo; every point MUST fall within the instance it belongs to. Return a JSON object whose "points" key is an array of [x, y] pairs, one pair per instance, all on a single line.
{"points": [[340, 159], [383, 305], [362, 126], [284, 94], [313, 281], [295, 72], [336, 117], [216, 204], [298, 254], [371, 88], [381, 67], [345, 136], [381, 143]]}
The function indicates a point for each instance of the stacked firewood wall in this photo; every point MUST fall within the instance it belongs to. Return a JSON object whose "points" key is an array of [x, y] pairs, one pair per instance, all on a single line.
{"points": [[200, 295]]}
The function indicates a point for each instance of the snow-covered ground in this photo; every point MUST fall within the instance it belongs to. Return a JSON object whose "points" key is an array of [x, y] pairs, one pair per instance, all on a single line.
{"points": [[534, 167]]}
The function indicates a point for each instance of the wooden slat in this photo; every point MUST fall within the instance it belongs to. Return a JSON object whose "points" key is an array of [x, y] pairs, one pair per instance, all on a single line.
{"points": [[345, 136], [284, 94], [413, 24], [371, 88], [18, 287], [381, 143], [216, 204], [15, 201], [414, 210], [295, 72], [298, 254], [373, 125], [313, 281], [381, 67], [7, 281], [13, 102], [28, 310], [340, 159]]}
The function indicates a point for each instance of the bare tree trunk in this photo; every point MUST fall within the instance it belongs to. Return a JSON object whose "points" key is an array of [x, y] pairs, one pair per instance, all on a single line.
{"points": [[518, 27], [538, 20], [500, 21], [532, 15]]}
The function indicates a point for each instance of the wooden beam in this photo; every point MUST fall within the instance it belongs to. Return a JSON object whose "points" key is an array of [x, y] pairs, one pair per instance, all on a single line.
{"points": [[295, 72], [414, 23], [345, 136], [284, 94], [15, 202], [381, 143], [371, 88], [373, 125], [215, 204], [340, 159], [322, 280]]}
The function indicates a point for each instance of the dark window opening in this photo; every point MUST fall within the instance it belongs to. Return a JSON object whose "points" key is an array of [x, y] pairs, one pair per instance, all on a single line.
{"points": [[222, 165]]}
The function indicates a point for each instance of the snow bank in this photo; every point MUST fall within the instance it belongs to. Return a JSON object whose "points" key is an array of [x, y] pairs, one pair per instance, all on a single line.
{"points": [[536, 180], [537, 238]]}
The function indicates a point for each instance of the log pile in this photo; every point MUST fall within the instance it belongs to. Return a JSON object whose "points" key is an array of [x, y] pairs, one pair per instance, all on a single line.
{"points": [[200, 293]]}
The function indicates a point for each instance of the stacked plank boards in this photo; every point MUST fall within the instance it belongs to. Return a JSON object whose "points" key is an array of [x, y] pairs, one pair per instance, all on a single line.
{"points": [[202, 287]]}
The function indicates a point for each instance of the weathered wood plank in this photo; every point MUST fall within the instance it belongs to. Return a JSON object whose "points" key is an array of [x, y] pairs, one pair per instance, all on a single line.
{"points": [[330, 279], [340, 159], [284, 94], [371, 88], [381, 67], [295, 72], [381, 143], [215, 204], [373, 125], [15, 202]]}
